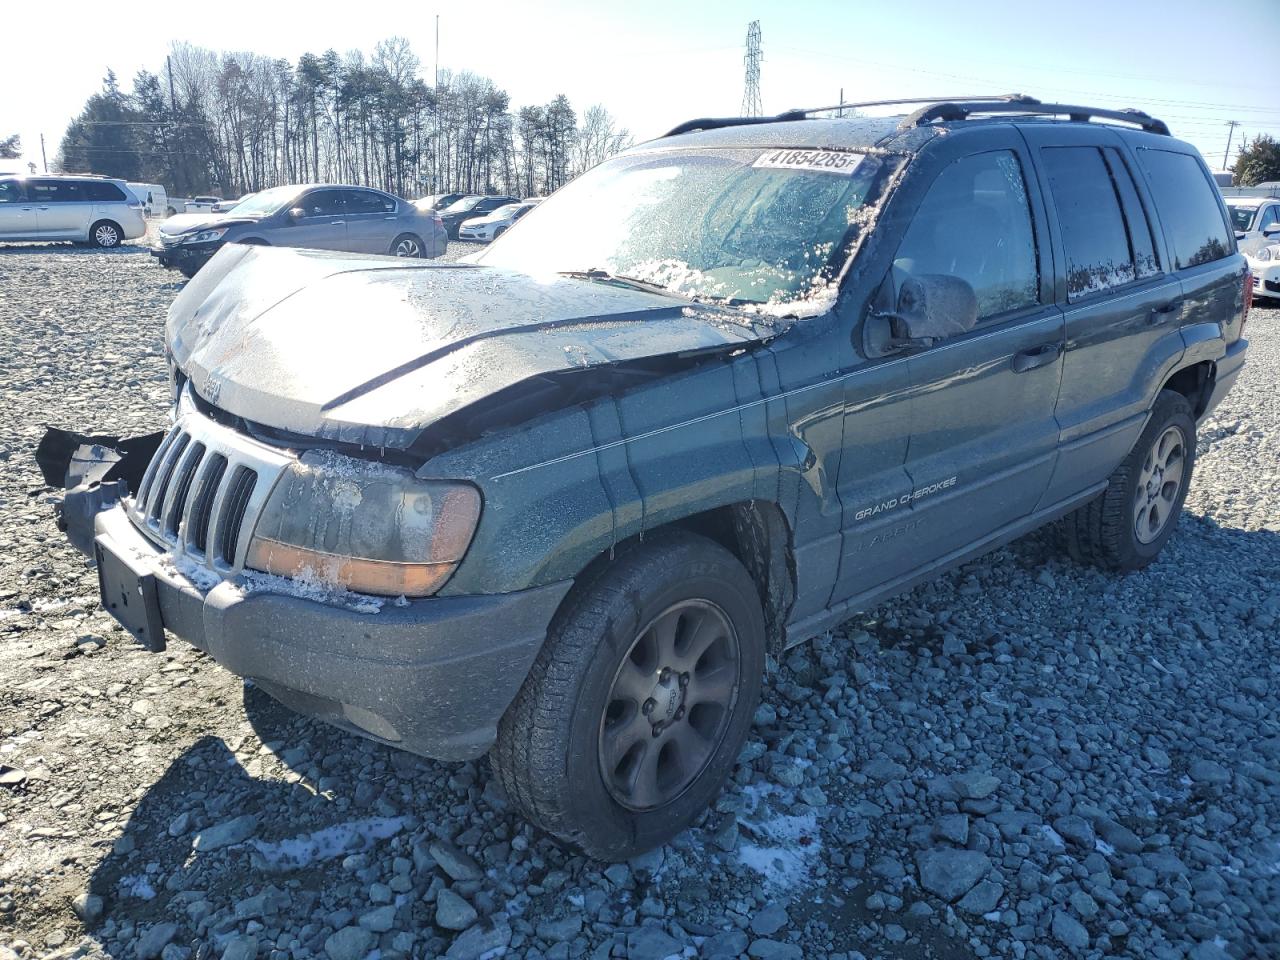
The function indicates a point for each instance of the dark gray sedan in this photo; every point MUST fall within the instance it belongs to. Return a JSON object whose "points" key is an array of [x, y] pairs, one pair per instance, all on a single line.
{"points": [[319, 216]]}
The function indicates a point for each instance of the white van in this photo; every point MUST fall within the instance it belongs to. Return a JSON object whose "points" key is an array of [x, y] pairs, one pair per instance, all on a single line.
{"points": [[154, 200]]}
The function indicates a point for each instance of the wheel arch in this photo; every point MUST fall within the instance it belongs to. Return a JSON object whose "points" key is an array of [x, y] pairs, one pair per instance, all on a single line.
{"points": [[1195, 382], [756, 532]]}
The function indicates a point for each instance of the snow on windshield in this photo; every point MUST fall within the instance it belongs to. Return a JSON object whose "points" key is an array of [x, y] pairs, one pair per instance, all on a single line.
{"points": [[764, 227]]}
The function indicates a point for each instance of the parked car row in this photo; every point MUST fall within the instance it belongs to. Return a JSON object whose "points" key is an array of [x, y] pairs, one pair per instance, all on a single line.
{"points": [[471, 216]]}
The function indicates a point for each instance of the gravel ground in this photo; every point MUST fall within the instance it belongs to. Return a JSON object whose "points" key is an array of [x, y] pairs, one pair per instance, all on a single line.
{"points": [[1025, 758]]}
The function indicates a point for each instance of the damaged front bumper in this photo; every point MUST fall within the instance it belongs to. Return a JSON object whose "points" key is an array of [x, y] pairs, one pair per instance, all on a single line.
{"points": [[187, 257], [431, 676]]}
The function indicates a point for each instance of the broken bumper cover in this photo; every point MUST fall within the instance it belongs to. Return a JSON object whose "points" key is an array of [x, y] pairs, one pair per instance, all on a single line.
{"points": [[432, 677], [186, 256]]}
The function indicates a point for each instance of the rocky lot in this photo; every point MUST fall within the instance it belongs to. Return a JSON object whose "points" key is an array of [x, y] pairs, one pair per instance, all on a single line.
{"points": [[1025, 758]]}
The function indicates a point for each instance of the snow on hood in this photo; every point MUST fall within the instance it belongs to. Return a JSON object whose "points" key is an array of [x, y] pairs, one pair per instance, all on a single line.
{"points": [[373, 351]]}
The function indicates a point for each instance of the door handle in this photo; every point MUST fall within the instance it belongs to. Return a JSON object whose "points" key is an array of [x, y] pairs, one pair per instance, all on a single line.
{"points": [[336, 223], [1040, 356], [1162, 313]]}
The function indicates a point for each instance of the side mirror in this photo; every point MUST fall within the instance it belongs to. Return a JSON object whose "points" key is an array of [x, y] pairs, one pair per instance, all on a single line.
{"points": [[1271, 230], [932, 307], [297, 213]]}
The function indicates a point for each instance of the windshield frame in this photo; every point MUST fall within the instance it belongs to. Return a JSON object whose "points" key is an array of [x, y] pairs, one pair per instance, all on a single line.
{"points": [[826, 281]]}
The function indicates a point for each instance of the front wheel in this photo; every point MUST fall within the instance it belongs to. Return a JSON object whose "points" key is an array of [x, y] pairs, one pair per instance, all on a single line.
{"points": [[640, 700], [407, 245], [105, 234], [1126, 526]]}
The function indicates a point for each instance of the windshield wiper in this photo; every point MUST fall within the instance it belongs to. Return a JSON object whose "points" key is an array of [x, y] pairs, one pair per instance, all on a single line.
{"points": [[622, 280]]}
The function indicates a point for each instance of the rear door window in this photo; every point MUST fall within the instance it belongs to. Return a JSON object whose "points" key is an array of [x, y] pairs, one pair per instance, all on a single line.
{"points": [[56, 191], [1187, 203], [368, 202], [1100, 251], [975, 224]]}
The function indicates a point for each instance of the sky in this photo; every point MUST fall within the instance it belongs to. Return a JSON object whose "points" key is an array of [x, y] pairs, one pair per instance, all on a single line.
{"points": [[1194, 63]]}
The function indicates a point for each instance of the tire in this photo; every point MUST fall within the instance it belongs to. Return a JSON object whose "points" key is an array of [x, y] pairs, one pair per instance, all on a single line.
{"points": [[499, 232], [1118, 531], [407, 245], [105, 234], [578, 711]]}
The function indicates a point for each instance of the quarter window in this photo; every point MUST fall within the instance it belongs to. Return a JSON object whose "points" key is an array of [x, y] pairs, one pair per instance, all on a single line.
{"points": [[975, 224], [1188, 205], [1102, 251]]}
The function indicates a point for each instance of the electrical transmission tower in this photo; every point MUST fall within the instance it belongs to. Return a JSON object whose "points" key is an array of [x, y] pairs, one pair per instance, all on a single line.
{"points": [[751, 91]]}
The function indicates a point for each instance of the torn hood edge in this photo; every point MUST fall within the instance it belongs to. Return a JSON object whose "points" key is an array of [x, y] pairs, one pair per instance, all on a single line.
{"points": [[370, 352]]}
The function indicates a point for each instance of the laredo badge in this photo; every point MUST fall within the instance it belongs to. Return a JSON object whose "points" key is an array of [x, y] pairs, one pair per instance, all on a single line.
{"points": [[816, 161]]}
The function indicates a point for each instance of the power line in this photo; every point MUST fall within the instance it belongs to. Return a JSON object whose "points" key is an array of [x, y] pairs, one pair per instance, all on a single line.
{"points": [[751, 90]]}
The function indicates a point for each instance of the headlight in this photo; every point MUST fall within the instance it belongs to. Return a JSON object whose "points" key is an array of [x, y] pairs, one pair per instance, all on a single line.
{"points": [[205, 236], [1265, 254], [367, 527]]}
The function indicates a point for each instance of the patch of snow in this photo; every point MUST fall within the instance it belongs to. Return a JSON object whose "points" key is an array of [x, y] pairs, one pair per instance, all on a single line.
{"points": [[137, 886], [1052, 836], [1103, 847], [295, 853], [785, 845]]}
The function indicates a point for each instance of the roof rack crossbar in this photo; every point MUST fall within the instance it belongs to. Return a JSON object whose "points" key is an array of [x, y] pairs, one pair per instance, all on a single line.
{"points": [[962, 110]]}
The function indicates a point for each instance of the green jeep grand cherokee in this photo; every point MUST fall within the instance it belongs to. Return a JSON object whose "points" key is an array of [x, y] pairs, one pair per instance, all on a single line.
{"points": [[712, 397]]}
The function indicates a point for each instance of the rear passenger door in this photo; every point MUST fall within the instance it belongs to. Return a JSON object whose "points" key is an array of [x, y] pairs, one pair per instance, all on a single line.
{"points": [[983, 433], [371, 221], [1123, 307]]}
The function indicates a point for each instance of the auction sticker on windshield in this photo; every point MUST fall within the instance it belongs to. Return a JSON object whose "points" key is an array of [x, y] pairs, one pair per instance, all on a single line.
{"points": [[817, 161]]}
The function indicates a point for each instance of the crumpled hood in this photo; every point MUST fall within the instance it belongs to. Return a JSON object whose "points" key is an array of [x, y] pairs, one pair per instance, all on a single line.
{"points": [[373, 351], [190, 222]]}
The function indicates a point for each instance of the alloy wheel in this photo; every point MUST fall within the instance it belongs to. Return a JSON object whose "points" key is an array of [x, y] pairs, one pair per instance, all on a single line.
{"points": [[106, 235], [408, 247], [669, 705], [1159, 484]]}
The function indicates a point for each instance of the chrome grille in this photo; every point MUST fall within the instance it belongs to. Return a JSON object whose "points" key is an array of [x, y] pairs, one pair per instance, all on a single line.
{"points": [[203, 491]]}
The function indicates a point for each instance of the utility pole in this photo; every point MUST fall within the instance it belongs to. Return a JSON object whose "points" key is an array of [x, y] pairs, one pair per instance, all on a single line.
{"points": [[841, 113], [437, 80], [1231, 128], [751, 90], [173, 99], [43, 159]]}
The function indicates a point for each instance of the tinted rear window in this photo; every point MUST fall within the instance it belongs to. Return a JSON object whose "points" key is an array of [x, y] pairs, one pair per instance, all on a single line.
{"points": [[103, 192], [1187, 204]]}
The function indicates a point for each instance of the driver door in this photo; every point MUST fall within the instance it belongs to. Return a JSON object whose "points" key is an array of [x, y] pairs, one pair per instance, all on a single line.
{"points": [[323, 225], [983, 433]]}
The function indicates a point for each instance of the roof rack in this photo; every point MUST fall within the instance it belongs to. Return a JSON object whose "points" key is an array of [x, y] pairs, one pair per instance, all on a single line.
{"points": [[941, 108], [800, 113], [1029, 106]]}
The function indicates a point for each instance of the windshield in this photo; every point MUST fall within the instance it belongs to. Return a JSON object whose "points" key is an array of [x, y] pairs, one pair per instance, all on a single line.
{"points": [[753, 225], [267, 202], [463, 205], [505, 211], [1241, 216]]}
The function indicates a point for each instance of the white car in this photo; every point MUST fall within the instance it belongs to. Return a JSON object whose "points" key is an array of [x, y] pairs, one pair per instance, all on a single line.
{"points": [[1263, 255], [201, 204], [1254, 215], [493, 224]]}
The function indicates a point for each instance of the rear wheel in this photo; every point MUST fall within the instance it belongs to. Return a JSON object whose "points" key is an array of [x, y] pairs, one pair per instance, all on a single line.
{"points": [[1126, 526], [105, 234], [638, 704], [407, 245]]}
